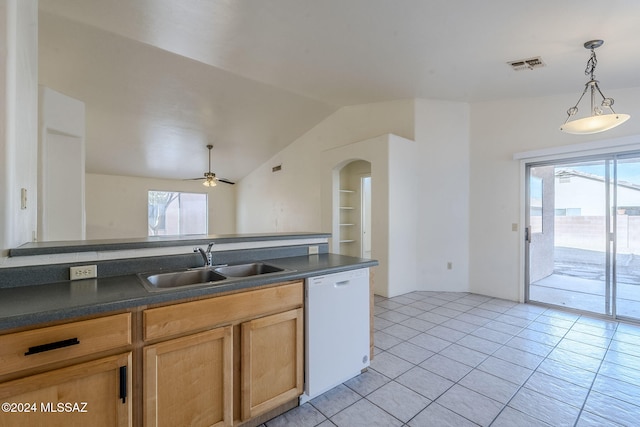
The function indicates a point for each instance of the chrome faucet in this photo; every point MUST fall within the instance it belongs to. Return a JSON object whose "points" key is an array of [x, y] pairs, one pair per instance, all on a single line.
{"points": [[207, 256]]}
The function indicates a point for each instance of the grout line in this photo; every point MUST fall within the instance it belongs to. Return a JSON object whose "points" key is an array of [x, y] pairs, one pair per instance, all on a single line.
{"points": [[502, 345], [533, 371], [530, 318], [595, 377]]}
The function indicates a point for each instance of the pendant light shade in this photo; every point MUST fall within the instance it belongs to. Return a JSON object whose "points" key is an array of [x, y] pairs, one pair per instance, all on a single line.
{"points": [[594, 124], [601, 116]]}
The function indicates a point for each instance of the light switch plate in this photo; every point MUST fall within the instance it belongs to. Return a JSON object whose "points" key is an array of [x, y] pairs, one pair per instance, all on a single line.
{"points": [[313, 250]]}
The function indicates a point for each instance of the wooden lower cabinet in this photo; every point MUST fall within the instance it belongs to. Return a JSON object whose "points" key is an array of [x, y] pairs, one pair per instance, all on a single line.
{"points": [[231, 360], [188, 380], [228, 360], [95, 393], [272, 361]]}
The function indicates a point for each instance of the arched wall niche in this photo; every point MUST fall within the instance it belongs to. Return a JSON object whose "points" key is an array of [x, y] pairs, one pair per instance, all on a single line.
{"points": [[349, 232], [393, 213]]}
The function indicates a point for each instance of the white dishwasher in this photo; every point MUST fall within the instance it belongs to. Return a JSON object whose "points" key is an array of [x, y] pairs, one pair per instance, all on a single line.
{"points": [[336, 329]]}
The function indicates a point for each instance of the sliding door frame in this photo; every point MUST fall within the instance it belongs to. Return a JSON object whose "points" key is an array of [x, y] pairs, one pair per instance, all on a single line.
{"points": [[610, 159]]}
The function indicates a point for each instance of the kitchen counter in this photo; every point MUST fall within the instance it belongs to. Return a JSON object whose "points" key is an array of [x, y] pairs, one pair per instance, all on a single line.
{"points": [[31, 305], [64, 247]]}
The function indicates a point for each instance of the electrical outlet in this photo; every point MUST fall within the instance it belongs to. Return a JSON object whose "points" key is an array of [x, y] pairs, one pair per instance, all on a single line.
{"points": [[83, 272], [449, 265], [313, 250]]}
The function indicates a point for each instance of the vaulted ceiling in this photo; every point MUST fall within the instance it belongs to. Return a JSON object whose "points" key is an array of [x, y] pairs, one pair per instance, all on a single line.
{"points": [[163, 78]]}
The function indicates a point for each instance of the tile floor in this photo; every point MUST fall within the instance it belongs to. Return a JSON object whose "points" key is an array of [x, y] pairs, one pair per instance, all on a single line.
{"points": [[459, 359]]}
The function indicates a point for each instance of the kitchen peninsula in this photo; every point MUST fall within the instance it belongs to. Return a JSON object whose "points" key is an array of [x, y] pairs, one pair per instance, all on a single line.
{"points": [[232, 353]]}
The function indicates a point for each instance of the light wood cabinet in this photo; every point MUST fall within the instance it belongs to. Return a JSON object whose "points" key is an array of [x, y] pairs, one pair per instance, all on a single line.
{"points": [[72, 374], [188, 381], [188, 317], [36, 348], [220, 361], [95, 393], [272, 361], [223, 361]]}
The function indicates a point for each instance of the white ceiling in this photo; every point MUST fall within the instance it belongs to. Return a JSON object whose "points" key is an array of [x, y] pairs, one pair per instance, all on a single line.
{"points": [[162, 78]]}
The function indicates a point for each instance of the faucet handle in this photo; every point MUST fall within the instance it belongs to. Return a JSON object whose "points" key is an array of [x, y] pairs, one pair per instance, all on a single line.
{"points": [[209, 246]]}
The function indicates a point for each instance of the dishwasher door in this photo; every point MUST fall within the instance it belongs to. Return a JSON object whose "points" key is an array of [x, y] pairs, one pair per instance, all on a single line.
{"points": [[336, 329]]}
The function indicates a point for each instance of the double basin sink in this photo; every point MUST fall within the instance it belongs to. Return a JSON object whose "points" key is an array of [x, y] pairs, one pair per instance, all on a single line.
{"points": [[206, 276]]}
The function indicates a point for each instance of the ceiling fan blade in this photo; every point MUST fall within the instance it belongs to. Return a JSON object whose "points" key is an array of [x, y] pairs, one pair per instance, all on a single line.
{"points": [[210, 175]]}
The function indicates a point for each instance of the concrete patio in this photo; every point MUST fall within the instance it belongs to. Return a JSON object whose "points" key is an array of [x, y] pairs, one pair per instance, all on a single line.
{"points": [[578, 282]]}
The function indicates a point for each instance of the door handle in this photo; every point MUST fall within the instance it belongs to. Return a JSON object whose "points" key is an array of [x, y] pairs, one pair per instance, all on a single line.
{"points": [[123, 384]]}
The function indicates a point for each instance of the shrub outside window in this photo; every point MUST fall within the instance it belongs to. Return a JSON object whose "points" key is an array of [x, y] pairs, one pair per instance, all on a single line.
{"points": [[173, 213]]}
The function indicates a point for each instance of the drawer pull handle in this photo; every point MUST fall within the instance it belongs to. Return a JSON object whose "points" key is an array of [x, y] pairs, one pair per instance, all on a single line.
{"points": [[52, 346]]}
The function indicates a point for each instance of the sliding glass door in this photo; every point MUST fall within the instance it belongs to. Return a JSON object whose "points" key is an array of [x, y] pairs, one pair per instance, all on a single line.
{"points": [[627, 242], [583, 241]]}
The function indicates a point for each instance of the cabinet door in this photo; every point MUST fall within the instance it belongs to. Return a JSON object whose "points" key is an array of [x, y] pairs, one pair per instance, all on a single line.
{"points": [[272, 361], [188, 381], [94, 393]]}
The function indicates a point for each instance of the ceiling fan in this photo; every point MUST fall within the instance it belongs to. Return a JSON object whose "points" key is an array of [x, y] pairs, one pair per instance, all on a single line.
{"points": [[210, 179]]}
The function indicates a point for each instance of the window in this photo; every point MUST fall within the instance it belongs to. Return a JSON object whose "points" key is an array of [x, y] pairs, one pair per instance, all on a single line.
{"points": [[535, 204], [176, 214]]}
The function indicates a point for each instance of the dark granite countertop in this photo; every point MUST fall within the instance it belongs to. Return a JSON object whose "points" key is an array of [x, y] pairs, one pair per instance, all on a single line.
{"points": [[31, 305]]}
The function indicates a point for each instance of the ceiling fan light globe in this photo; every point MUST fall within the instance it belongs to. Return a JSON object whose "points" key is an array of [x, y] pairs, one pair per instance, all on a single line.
{"points": [[210, 182]]}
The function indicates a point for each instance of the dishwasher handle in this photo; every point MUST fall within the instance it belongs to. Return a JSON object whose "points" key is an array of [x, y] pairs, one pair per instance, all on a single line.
{"points": [[341, 283]]}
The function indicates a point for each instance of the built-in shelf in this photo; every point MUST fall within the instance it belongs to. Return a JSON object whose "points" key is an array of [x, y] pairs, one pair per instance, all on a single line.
{"points": [[346, 214]]}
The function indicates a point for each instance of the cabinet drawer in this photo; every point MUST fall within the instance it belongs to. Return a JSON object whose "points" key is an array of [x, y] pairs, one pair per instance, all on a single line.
{"points": [[37, 347], [187, 317]]}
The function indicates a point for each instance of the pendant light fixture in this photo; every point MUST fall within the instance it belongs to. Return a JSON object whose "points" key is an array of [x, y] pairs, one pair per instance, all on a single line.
{"points": [[602, 117]]}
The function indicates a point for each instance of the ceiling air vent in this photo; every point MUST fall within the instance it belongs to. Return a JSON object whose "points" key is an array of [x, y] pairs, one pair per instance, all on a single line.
{"points": [[527, 64]]}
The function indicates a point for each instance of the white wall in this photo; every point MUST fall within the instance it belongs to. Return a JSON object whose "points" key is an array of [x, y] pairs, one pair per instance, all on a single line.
{"points": [[117, 205], [300, 196], [61, 165], [393, 226], [291, 199], [424, 200], [403, 197], [442, 138], [18, 120], [589, 195], [498, 130]]}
